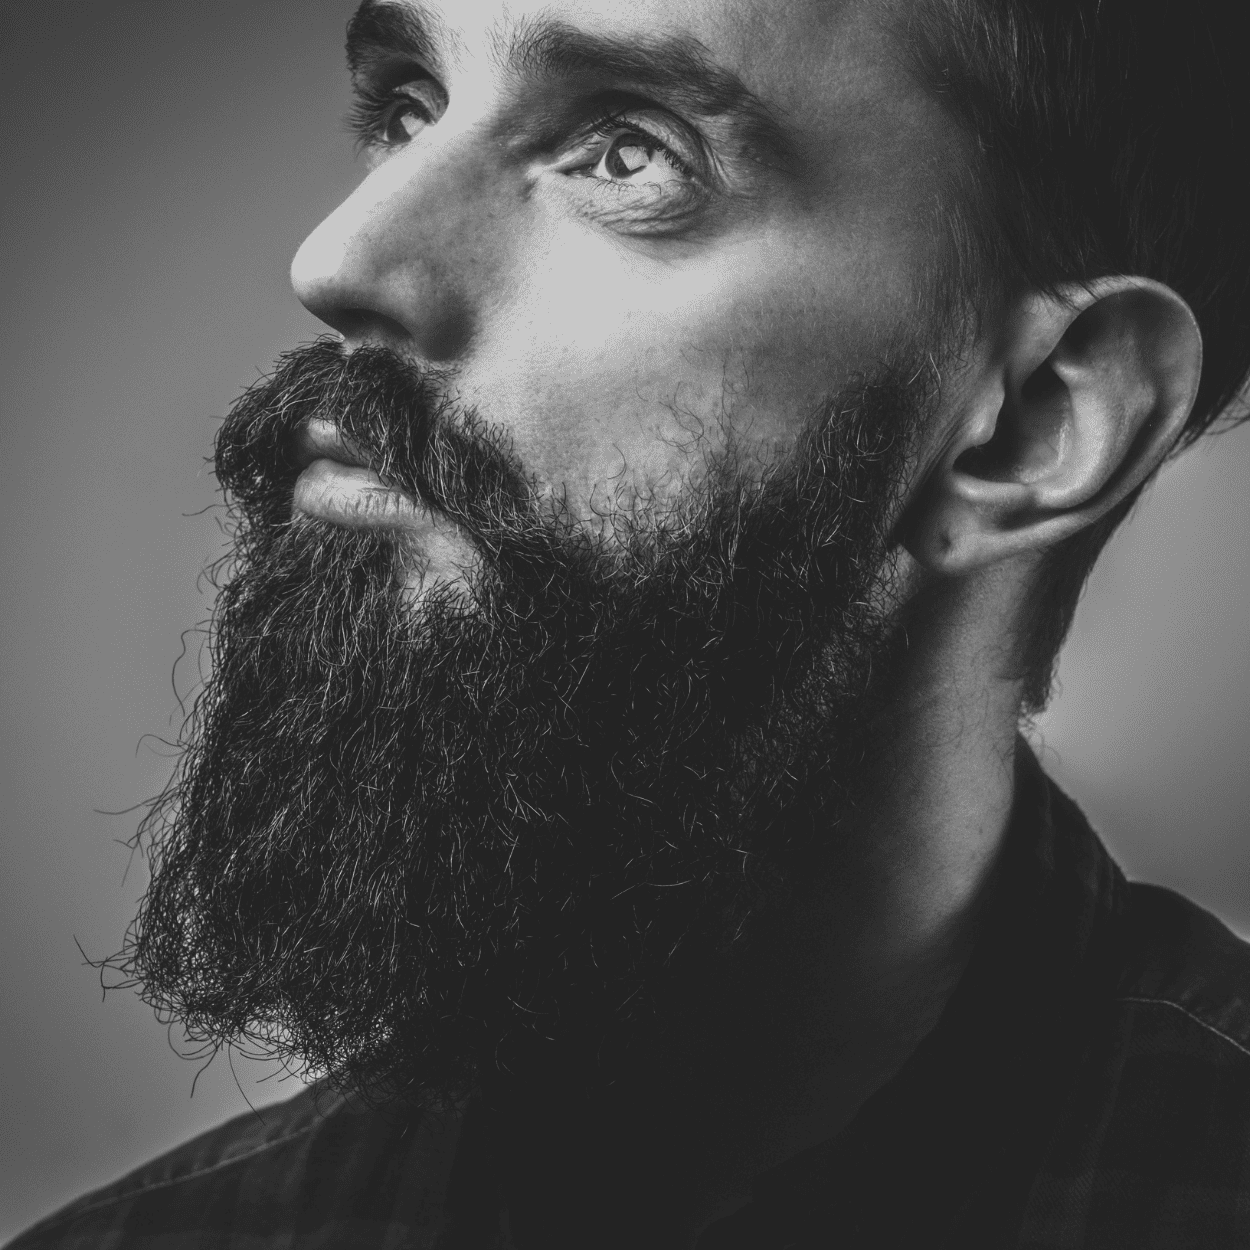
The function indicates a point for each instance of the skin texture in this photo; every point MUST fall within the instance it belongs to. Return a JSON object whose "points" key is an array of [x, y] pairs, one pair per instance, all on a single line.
{"points": [[602, 337], [618, 343]]}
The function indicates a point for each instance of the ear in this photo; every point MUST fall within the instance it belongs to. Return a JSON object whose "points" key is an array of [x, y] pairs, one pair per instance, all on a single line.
{"points": [[1080, 399]]}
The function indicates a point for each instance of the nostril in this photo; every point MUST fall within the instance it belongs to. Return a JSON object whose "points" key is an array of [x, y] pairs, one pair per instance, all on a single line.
{"points": [[437, 335], [359, 326], [376, 272]]}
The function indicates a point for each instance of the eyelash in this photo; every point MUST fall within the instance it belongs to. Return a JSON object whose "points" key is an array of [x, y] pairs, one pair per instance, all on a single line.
{"points": [[612, 124], [371, 109]]}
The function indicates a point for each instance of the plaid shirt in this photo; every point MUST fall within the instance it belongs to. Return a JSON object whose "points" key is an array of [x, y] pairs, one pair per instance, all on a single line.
{"points": [[1087, 1086]]}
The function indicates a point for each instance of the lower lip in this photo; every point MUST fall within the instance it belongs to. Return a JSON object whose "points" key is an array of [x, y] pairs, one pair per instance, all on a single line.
{"points": [[356, 497]]}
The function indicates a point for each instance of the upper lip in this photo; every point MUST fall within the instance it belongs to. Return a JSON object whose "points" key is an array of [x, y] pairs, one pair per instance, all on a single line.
{"points": [[319, 439]]}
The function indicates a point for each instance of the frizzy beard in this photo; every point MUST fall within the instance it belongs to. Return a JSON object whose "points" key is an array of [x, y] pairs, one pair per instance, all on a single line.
{"points": [[405, 846]]}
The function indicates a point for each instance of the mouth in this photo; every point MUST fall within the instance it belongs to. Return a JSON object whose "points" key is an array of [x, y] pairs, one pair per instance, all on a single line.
{"points": [[337, 484]]}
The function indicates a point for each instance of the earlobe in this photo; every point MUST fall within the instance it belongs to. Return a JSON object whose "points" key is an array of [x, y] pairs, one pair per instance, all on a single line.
{"points": [[1078, 403]]}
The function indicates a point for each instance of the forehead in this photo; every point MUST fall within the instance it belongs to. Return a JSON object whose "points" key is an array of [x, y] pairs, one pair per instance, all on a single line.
{"points": [[719, 22], [792, 53]]}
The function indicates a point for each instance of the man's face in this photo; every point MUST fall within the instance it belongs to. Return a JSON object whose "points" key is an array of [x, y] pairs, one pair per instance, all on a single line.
{"points": [[633, 304], [630, 231]]}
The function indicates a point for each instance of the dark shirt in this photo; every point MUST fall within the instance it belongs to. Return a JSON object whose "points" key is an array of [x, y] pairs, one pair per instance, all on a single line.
{"points": [[1088, 1085]]}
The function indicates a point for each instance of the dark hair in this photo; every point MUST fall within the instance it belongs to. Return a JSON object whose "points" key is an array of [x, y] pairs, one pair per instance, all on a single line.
{"points": [[1110, 138]]}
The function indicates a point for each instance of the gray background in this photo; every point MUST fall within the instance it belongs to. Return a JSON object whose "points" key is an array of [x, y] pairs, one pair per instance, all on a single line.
{"points": [[163, 163]]}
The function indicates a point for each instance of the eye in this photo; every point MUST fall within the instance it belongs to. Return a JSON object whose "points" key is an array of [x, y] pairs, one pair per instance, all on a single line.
{"points": [[641, 177], [404, 119], [638, 158], [390, 118]]}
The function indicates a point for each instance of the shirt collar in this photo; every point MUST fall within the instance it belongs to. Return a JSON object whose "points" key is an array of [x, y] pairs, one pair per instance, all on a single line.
{"points": [[947, 1143]]}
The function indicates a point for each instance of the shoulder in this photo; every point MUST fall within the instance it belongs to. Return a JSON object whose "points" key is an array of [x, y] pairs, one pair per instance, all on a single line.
{"points": [[311, 1164], [1180, 961], [1176, 1068], [1152, 1144]]}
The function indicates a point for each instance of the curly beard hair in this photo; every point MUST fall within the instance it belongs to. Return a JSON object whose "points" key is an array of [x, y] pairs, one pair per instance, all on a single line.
{"points": [[414, 842]]}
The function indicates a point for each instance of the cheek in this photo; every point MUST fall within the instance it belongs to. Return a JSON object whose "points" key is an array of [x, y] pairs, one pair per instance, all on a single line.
{"points": [[612, 371]]}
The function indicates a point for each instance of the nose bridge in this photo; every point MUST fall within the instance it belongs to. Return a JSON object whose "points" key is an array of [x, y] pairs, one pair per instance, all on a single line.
{"points": [[405, 253]]}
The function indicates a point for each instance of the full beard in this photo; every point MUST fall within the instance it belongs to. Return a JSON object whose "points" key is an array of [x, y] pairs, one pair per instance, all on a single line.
{"points": [[412, 843]]}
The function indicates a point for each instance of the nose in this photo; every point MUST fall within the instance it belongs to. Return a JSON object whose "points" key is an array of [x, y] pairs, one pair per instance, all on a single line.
{"points": [[396, 262]]}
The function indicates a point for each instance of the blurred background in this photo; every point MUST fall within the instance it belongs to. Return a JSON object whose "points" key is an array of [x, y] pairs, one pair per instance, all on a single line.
{"points": [[163, 163]]}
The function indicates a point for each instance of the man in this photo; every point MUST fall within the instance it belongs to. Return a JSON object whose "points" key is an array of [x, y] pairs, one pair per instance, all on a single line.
{"points": [[609, 781]]}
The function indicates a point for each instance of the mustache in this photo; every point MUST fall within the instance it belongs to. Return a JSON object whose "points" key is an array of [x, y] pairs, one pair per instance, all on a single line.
{"points": [[394, 411], [823, 514]]}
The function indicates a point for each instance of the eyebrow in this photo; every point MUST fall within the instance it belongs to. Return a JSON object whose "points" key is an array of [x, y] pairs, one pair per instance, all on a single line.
{"points": [[674, 67], [382, 28]]}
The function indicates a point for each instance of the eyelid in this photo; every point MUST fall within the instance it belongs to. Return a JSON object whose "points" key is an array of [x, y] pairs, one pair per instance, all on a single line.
{"points": [[614, 114], [614, 125], [376, 94], [645, 210], [384, 74], [669, 129]]}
